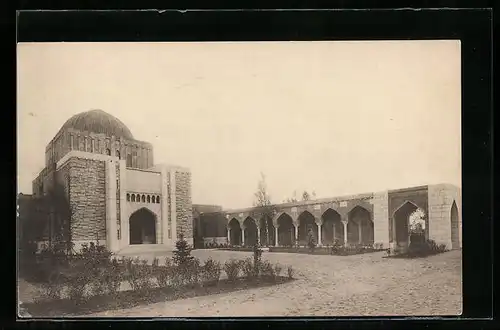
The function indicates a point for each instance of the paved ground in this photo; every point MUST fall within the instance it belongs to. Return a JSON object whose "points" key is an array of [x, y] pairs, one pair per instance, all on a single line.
{"points": [[331, 286]]}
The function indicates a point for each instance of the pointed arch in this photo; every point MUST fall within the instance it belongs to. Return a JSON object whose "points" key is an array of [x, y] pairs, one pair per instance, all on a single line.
{"points": [[250, 225], [142, 226], [455, 226], [332, 228]]}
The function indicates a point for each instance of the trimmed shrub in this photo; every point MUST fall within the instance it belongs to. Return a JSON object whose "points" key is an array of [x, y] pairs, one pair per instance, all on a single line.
{"points": [[211, 272], [267, 269], [232, 268], [248, 268], [290, 271], [164, 274], [277, 269]]}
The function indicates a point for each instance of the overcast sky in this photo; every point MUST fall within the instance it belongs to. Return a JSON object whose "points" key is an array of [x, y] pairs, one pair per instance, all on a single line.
{"points": [[333, 117]]}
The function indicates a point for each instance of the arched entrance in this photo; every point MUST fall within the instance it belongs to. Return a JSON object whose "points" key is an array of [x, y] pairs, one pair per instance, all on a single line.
{"points": [[286, 230], [360, 227], [401, 221], [234, 232], [307, 223], [250, 232], [332, 227], [142, 227], [266, 231], [455, 227]]}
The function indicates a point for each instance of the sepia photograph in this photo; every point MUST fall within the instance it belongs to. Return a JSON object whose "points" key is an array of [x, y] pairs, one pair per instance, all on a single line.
{"points": [[239, 179]]}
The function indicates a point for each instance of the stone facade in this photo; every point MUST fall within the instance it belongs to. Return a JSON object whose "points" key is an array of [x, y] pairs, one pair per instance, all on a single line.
{"points": [[381, 218], [184, 209], [441, 198], [88, 199]]}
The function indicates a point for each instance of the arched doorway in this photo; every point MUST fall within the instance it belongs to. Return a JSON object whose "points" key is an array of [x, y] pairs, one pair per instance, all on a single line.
{"points": [[401, 232], [286, 230], [143, 227], [250, 232], [307, 223], [267, 231], [332, 227], [455, 227], [360, 226], [234, 232]]}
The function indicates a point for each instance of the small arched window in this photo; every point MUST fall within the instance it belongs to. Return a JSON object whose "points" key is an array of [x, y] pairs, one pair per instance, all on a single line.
{"points": [[133, 198], [143, 199], [128, 197], [158, 199], [108, 152], [149, 199], [118, 154], [138, 198]]}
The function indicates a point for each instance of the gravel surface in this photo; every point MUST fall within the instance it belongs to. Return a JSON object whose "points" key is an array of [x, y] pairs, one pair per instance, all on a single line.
{"points": [[361, 285]]}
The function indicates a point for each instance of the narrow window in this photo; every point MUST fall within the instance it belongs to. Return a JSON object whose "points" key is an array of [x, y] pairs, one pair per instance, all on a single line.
{"points": [[143, 199], [133, 198], [149, 199], [128, 197], [108, 152], [158, 199], [118, 154], [129, 160]]}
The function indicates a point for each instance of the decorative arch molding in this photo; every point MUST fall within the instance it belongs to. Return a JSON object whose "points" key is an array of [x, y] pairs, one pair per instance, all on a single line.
{"points": [[279, 214], [331, 209], [359, 203], [230, 221], [153, 208], [410, 202], [317, 220], [250, 218]]}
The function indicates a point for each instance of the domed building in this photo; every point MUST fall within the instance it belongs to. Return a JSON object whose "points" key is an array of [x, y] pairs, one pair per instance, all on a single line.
{"points": [[116, 193]]}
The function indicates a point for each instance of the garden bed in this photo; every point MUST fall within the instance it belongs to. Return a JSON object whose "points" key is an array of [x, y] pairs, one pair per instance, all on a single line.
{"points": [[130, 298]]}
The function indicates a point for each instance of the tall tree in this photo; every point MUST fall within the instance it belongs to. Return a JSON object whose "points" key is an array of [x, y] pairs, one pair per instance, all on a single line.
{"points": [[262, 200]]}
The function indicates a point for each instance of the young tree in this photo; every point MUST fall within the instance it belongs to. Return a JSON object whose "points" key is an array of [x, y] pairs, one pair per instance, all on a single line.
{"points": [[262, 200]]}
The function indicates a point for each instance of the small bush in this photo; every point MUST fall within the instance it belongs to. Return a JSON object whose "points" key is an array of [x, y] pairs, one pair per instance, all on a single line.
{"points": [[163, 274], [232, 268], [290, 271], [182, 253], [267, 269], [139, 275], [248, 268], [51, 289], [277, 269], [211, 272]]}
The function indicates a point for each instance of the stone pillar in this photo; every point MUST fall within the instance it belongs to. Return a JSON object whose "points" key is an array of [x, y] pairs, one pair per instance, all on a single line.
{"points": [[111, 226], [173, 208], [344, 223], [275, 236], [243, 236], [228, 236], [164, 207], [258, 235], [334, 225], [296, 226], [319, 234], [124, 224], [360, 233]]}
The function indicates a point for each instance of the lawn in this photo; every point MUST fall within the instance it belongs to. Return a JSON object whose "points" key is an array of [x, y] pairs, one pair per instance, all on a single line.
{"points": [[358, 285]]}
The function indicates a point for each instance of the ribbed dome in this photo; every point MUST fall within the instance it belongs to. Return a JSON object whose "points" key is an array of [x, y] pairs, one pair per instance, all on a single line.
{"points": [[98, 121]]}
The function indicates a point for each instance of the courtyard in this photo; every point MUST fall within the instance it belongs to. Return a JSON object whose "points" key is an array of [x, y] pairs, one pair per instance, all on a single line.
{"points": [[359, 285]]}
